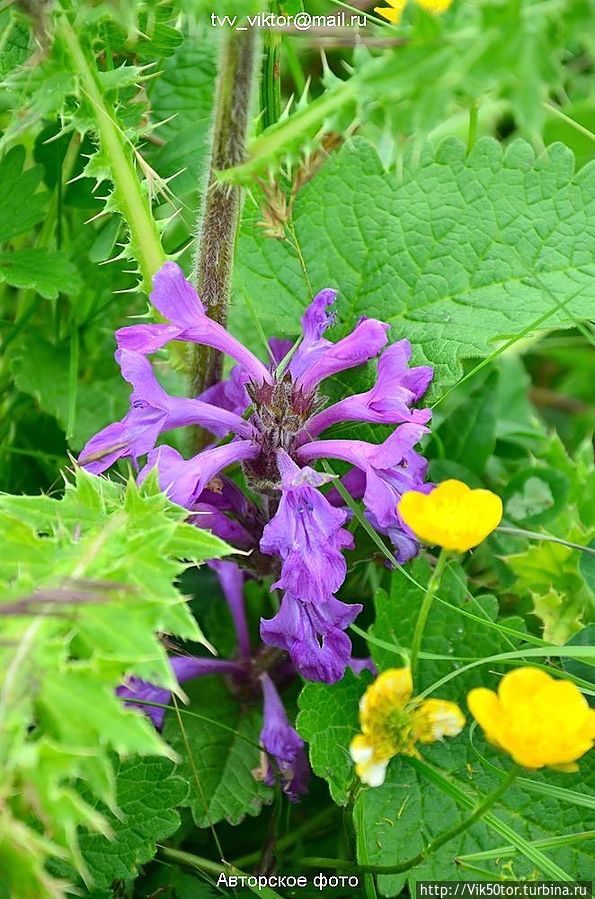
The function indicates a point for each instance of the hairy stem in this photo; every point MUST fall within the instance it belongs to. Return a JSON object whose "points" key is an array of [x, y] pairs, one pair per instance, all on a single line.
{"points": [[133, 204], [221, 206]]}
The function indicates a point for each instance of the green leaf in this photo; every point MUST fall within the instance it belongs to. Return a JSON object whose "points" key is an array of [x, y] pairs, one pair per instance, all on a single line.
{"points": [[47, 380], [420, 800], [535, 495], [48, 272], [148, 793], [328, 721], [219, 752], [469, 434], [452, 252], [87, 588], [22, 206]]}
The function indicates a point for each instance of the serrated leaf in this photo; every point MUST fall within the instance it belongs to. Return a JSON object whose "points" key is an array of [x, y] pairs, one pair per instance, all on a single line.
{"points": [[219, 756], [449, 253], [328, 721], [49, 272], [148, 793], [409, 810]]}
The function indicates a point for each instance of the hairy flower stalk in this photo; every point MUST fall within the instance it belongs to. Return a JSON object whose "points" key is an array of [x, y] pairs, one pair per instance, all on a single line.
{"points": [[217, 231], [271, 421]]}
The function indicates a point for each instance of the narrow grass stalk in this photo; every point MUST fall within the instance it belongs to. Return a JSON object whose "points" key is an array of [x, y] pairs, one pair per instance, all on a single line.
{"points": [[445, 837], [221, 203], [424, 611]]}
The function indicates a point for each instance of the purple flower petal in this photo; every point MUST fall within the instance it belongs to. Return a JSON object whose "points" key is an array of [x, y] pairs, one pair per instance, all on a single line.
{"points": [[230, 394], [279, 349], [152, 412], [184, 480], [209, 518], [137, 692], [175, 297], [306, 531], [281, 741], [313, 636], [359, 665], [390, 470], [232, 584], [364, 342], [388, 402], [315, 321]]}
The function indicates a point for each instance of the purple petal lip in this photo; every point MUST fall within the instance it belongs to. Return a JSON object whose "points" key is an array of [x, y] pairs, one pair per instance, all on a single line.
{"points": [[306, 531], [177, 300], [313, 636], [388, 401], [362, 344], [152, 412], [184, 480]]}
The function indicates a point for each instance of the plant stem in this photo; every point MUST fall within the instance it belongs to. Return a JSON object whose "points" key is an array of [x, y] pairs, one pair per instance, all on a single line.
{"points": [[221, 206], [424, 611], [547, 538], [133, 204], [480, 810], [270, 84], [472, 134]]}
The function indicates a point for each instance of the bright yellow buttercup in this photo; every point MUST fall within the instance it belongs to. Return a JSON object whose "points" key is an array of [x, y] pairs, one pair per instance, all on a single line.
{"points": [[538, 720], [394, 9], [452, 515], [392, 722]]}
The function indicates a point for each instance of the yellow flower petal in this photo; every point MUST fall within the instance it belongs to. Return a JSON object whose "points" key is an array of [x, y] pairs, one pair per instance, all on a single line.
{"points": [[435, 6], [436, 719], [538, 720], [393, 12], [452, 515], [391, 722]]}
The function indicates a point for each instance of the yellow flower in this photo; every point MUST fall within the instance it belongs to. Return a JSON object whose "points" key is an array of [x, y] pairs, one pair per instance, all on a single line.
{"points": [[392, 722], [394, 10], [538, 720], [452, 515]]}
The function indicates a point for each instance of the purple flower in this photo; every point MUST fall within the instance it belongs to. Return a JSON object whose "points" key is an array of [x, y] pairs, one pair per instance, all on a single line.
{"points": [[177, 300], [275, 414], [152, 411], [136, 692], [307, 533], [388, 401], [389, 469], [282, 742], [359, 665], [313, 635], [184, 480], [232, 584]]}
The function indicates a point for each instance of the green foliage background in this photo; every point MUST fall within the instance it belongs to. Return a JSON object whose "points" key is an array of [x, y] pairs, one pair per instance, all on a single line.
{"points": [[441, 176]]}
